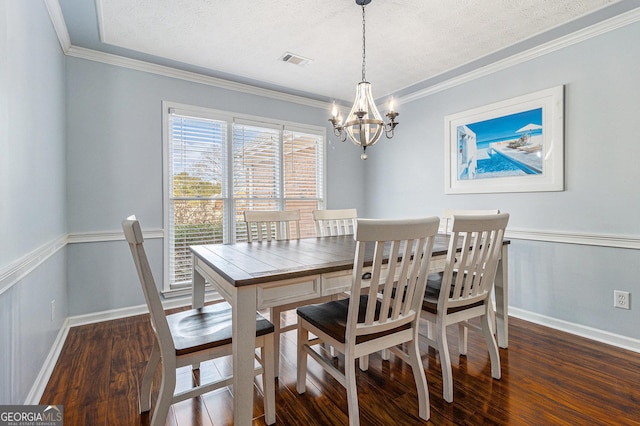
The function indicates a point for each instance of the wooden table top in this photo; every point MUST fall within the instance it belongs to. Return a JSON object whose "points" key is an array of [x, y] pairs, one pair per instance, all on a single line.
{"points": [[260, 262]]}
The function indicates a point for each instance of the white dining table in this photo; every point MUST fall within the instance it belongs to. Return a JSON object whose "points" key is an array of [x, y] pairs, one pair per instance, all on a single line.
{"points": [[258, 275]]}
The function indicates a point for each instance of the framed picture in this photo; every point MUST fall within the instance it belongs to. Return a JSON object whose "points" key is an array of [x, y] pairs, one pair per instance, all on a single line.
{"points": [[515, 145]]}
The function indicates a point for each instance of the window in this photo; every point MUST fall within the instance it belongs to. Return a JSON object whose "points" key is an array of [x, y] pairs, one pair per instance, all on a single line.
{"points": [[218, 165]]}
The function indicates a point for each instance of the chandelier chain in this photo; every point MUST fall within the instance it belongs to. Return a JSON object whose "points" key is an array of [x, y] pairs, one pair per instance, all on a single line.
{"points": [[364, 51]]}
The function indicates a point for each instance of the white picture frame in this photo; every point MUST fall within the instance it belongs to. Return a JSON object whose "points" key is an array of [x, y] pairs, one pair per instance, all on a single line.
{"points": [[516, 145]]}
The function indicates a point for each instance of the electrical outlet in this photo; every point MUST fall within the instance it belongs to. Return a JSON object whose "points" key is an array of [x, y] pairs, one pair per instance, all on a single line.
{"points": [[53, 309], [621, 299]]}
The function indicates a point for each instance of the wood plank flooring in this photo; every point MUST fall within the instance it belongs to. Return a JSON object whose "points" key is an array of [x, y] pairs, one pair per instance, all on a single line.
{"points": [[548, 378]]}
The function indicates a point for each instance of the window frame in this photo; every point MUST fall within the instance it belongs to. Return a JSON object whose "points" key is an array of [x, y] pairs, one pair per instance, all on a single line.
{"points": [[229, 200]]}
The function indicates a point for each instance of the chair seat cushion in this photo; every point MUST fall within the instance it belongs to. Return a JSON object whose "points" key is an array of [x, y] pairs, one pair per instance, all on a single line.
{"points": [[207, 327], [331, 317], [432, 293]]}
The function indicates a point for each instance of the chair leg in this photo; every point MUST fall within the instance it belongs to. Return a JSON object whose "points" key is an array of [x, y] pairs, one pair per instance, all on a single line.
{"points": [[420, 379], [147, 378], [494, 355], [364, 362], [431, 330], [463, 333], [268, 379], [493, 321], [352, 391], [303, 339], [167, 389], [445, 361]]}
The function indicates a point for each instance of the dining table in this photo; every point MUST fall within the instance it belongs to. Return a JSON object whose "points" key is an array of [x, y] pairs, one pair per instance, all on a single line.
{"points": [[258, 275]]}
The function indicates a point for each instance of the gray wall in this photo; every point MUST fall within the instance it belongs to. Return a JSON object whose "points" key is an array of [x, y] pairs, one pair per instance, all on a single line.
{"points": [[32, 187], [565, 282], [114, 156]]}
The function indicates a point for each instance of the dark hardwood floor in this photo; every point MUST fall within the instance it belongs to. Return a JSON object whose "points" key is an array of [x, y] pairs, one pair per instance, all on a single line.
{"points": [[548, 378]]}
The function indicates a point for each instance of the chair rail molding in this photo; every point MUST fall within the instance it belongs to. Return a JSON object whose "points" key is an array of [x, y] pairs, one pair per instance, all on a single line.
{"points": [[104, 236], [16, 271], [602, 240]]}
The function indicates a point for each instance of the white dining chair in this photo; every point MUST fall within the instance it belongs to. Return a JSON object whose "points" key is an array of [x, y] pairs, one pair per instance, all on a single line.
{"points": [[447, 216], [436, 279], [375, 317], [334, 222], [268, 225], [189, 337], [465, 289]]}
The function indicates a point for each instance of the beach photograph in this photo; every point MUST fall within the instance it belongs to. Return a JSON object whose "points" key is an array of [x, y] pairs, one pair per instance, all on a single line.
{"points": [[505, 146]]}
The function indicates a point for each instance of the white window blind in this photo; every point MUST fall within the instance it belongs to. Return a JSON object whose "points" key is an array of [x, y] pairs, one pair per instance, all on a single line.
{"points": [[219, 167], [303, 174], [256, 171], [196, 203]]}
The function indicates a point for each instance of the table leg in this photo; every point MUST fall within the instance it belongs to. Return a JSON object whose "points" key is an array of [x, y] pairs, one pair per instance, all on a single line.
{"points": [[243, 346], [197, 295], [502, 298]]}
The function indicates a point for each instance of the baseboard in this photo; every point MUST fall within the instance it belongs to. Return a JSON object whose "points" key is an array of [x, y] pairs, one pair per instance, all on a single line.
{"points": [[577, 329], [33, 398]]}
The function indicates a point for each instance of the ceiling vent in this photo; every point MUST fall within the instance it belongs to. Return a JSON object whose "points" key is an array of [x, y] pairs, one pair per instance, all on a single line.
{"points": [[294, 59]]}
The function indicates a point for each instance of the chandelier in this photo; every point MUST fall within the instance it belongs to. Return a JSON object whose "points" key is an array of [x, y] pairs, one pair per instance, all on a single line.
{"points": [[364, 124]]}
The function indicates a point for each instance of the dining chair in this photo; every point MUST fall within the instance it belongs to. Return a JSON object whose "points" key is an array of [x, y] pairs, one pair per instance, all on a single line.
{"points": [[435, 280], [334, 222], [189, 337], [447, 216], [269, 225], [382, 316], [465, 288]]}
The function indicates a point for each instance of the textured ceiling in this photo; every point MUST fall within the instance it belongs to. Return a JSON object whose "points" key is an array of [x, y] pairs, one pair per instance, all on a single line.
{"points": [[408, 41]]}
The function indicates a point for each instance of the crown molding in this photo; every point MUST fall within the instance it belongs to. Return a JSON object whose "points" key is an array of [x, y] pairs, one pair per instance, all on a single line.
{"points": [[595, 30], [55, 12], [60, 27], [135, 64], [57, 19]]}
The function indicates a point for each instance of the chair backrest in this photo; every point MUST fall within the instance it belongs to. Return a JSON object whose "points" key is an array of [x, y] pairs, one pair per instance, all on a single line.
{"points": [[334, 222], [133, 235], [447, 216], [272, 224], [469, 274], [401, 283]]}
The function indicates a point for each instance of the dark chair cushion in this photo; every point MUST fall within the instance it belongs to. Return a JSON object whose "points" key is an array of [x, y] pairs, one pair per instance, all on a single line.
{"points": [[207, 327], [331, 317], [432, 293], [434, 282]]}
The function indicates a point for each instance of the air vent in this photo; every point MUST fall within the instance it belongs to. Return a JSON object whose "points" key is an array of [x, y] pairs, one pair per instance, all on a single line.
{"points": [[294, 59]]}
